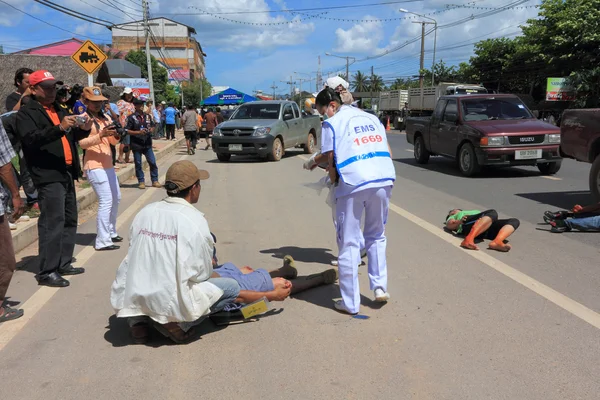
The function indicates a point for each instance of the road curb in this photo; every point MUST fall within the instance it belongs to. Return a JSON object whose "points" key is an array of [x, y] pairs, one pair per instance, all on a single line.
{"points": [[27, 232]]}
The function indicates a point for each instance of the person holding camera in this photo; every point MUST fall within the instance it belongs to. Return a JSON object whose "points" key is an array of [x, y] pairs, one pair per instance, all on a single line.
{"points": [[141, 144], [49, 135], [99, 169]]}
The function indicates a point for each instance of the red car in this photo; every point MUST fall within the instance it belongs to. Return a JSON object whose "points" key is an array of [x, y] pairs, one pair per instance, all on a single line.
{"points": [[485, 130]]}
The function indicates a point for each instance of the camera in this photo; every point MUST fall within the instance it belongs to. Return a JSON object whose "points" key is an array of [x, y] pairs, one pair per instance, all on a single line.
{"points": [[80, 120], [118, 127]]}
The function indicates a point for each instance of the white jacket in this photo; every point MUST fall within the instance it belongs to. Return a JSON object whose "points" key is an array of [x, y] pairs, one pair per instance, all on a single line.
{"points": [[169, 260]]}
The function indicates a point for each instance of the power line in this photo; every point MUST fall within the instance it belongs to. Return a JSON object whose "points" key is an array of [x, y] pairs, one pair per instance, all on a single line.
{"points": [[48, 23], [286, 22], [73, 13], [303, 9]]}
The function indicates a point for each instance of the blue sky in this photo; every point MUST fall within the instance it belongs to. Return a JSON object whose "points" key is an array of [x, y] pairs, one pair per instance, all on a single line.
{"points": [[252, 50]]}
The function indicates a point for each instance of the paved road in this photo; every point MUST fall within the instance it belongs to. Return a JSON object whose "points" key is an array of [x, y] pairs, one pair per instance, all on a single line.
{"points": [[461, 325]]}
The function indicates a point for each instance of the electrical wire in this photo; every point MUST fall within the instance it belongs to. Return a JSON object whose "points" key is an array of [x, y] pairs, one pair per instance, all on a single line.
{"points": [[73, 13]]}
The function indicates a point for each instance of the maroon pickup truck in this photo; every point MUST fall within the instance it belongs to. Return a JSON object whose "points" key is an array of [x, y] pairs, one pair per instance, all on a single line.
{"points": [[580, 131], [485, 130]]}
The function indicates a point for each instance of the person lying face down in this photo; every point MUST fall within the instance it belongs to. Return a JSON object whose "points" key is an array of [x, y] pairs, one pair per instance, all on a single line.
{"points": [[474, 224]]}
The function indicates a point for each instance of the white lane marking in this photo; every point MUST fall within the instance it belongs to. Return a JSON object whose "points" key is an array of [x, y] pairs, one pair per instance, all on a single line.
{"points": [[45, 293], [566, 303], [552, 178], [411, 150]]}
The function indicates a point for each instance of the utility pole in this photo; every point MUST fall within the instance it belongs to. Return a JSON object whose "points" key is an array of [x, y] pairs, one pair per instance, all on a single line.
{"points": [[273, 87], [421, 65], [319, 77], [372, 76], [291, 83], [148, 59]]}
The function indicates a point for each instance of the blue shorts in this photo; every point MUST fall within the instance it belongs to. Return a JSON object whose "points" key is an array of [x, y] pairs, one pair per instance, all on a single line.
{"points": [[126, 140], [257, 281]]}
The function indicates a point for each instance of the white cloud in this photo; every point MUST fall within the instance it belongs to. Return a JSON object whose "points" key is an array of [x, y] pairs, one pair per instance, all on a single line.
{"points": [[11, 17], [240, 32], [89, 29], [361, 38]]}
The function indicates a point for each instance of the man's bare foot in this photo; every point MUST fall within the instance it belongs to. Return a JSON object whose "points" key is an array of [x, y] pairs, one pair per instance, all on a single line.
{"points": [[500, 246], [288, 270], [468, 245]]}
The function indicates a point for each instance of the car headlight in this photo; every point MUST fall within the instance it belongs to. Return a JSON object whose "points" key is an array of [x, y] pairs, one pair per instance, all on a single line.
{"points": [[217, 132], [492, 141], [261, 131], [554, 138]]}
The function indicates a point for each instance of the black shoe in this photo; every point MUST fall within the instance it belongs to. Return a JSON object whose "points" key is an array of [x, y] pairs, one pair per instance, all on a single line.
{"points": [[117, 239], [52, 280], [71, 270], [559, 226], [111, 247]]}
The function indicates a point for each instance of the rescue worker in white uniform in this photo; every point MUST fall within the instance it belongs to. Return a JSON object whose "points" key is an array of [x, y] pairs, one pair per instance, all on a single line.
{"points": [[360, 163]]}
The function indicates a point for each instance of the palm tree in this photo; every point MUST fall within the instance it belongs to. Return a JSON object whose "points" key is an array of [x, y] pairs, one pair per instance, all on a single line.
{"points": [[361, 82], [377, 84]]}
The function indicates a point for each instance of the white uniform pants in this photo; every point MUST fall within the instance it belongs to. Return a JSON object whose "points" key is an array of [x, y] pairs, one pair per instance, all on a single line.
{"points": [[106, 186], [374, 203]]}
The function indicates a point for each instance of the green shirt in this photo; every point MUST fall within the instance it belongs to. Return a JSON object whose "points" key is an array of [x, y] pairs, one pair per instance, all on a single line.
{"points": [[459, 216]]}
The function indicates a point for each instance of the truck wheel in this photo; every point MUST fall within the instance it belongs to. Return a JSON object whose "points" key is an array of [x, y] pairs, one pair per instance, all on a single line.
{"points": [[595, 179], [549, 168], [311, 143], [223, 157], [420, 151], [467, 160], [276, 151]]}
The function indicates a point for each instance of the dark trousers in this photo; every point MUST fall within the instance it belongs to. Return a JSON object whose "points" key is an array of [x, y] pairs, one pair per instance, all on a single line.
{"points": [[57, 225], [113, 151], [494, 229], [139, 171], [170, 131], [7, 256]]}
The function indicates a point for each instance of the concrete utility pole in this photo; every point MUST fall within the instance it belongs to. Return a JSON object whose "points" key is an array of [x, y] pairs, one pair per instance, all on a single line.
{"points": [[274, 87], [434, 41], [422, 65], [372, 76], [148, 59], [347, 64], [291, 83], [319, 77]]}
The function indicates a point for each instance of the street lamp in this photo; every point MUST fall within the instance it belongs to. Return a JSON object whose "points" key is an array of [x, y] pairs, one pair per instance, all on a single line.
{"points": [[347, 63], [434, 40]]}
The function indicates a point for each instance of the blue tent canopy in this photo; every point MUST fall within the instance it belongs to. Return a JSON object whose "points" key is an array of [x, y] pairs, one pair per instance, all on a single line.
{"points": [[227, 97]]}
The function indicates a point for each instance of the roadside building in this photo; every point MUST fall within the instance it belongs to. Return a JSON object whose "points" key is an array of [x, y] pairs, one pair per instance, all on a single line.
{"points": [[171, 43]]}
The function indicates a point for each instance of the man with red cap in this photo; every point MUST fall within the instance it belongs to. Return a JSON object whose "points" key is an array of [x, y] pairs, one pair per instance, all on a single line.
{"points": [[49, 134]]}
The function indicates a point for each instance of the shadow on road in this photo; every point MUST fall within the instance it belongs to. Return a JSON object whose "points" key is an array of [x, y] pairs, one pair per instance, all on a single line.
{"points": [[307, 255], [28, 264], [117, 333], [85, 239], [560, 200], [246, 159], [323, 296], [448, 167]]}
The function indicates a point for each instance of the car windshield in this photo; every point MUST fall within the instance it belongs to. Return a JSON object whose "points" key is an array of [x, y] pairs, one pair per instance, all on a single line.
{"points": [[257, 111], [492, 108]]}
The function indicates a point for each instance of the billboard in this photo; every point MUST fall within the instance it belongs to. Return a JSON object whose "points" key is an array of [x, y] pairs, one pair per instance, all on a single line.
{"points": [[231, 96], [557, 89], [140, 86]]}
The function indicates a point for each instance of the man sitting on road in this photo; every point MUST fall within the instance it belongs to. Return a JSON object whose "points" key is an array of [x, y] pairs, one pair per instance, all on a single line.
{"points": [[474, 224], [586, 219], [167, 276]]}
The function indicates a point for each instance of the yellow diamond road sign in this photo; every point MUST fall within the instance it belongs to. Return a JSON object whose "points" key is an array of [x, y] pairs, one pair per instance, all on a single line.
{"points": [[89, 57]]}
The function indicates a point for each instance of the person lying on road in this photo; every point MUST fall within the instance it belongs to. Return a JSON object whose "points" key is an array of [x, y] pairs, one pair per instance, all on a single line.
{"points": [[474, 224], [586, 219], [167, 277]]}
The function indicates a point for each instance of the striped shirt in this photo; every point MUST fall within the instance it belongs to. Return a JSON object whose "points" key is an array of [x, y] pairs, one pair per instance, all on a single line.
{"points": [[6, 155]]}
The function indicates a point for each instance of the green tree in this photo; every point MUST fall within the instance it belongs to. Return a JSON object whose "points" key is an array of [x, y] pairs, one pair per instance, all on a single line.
{"points": [[376, 84], [360, 82], [195, 92]]}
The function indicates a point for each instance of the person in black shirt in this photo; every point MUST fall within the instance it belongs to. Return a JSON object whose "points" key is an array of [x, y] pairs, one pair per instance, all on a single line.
{"points": [[141, 143], [13, 101]]}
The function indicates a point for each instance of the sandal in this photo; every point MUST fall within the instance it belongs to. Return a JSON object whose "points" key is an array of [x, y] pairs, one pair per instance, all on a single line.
{"points": [[10, 314], [173, 331]]}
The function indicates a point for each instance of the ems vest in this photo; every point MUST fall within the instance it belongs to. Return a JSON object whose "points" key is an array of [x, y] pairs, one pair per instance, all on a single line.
{"points": [[360, 147]]}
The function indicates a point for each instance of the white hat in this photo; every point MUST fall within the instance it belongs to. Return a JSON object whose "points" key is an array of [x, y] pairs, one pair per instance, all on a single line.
{"points": [[127, 90], [336, 81], [163, 102]]}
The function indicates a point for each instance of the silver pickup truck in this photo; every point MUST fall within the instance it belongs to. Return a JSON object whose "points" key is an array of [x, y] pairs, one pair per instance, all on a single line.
{"points": [[266, 129]]}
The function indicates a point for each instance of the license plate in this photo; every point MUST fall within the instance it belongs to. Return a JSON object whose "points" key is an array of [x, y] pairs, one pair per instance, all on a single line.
{"points": [[235, 147], [528, 154]]}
